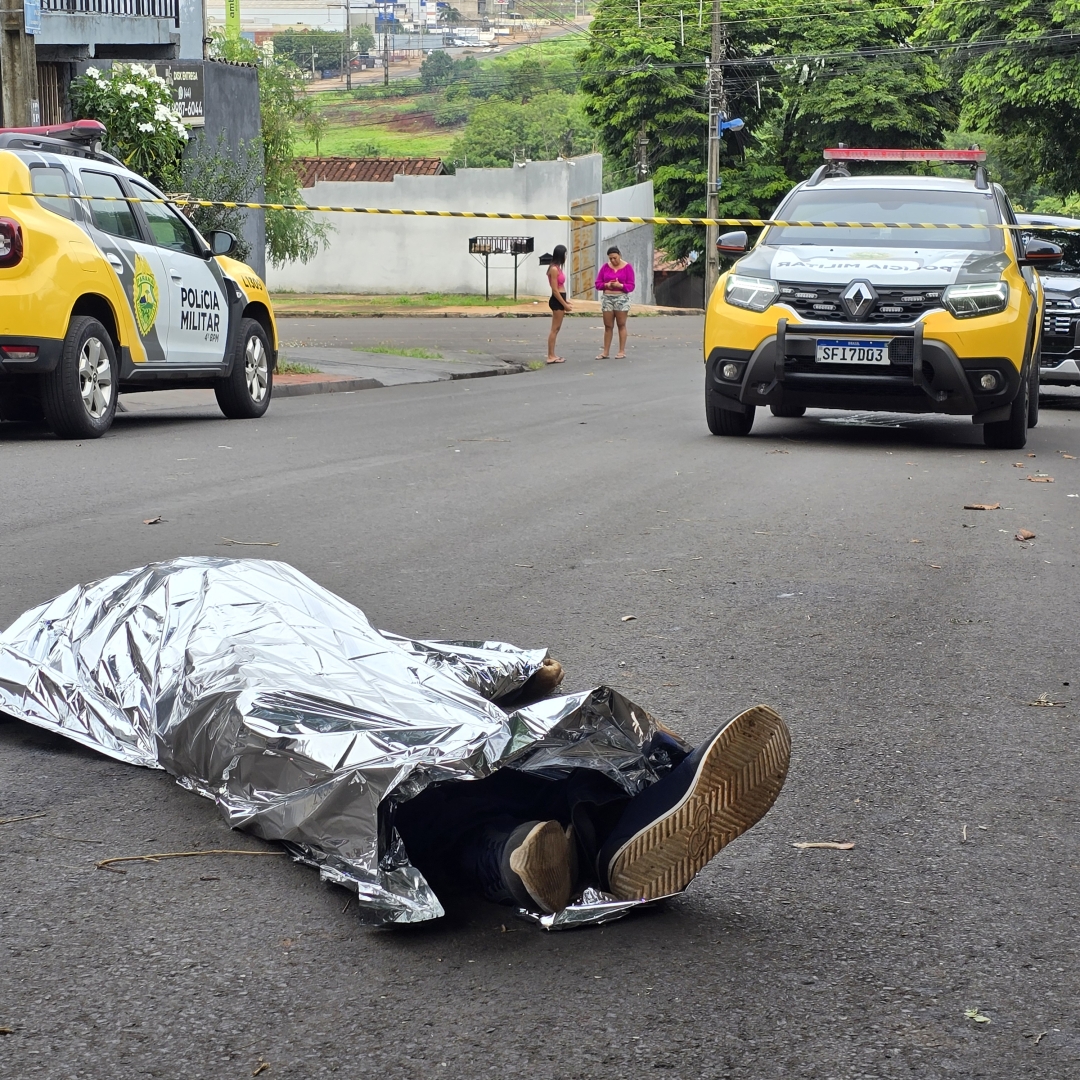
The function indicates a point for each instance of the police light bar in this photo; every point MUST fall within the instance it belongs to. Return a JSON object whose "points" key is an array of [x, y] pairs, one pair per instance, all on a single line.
{"points": [[86, 131], [939, 157]]}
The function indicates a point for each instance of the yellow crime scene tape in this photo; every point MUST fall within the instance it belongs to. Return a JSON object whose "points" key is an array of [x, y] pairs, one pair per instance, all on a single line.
{"points": [[588, 219]]}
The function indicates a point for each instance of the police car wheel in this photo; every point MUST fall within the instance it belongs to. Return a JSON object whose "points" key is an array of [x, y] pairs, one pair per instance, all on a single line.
{"points": [[244, 394], [79, 395], [1011, 434]]}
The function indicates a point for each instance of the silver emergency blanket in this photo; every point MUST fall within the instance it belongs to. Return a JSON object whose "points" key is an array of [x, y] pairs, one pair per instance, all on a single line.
{"points": [[259, 689]]}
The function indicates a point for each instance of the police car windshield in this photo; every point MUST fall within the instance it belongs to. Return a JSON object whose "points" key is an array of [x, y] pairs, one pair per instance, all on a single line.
{"points": [[976, 210]]}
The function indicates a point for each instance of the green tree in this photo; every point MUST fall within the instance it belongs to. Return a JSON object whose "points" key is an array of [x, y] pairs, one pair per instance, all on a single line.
{"points": [[1018, 73], [551, 125], [436, 70], [291, 235], [223, 174]]}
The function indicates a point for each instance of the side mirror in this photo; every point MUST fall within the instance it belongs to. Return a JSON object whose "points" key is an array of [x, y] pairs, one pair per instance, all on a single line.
{"points": [[1038, 252], [733, 243], [221, 242]]}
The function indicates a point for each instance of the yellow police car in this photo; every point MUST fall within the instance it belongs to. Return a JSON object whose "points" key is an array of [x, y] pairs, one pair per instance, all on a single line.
{"points": [[884, 317], [101, 294]]}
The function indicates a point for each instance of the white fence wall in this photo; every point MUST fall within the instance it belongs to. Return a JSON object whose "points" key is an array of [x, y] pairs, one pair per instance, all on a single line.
{"points": [[383, 254]]}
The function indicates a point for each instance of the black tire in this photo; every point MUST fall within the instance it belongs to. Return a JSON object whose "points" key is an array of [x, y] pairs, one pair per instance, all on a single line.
{"points": [[244, 394], [788, 412], [79, 396], [728, 422], [1033, 392], [1011, 434]]}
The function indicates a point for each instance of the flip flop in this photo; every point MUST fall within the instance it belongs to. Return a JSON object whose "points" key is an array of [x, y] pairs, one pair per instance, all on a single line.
{"points": [[558, 360], [620, 356], [603, 356]]}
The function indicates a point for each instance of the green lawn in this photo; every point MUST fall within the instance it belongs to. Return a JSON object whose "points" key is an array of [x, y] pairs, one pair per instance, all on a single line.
{"points": [[348, 140]]}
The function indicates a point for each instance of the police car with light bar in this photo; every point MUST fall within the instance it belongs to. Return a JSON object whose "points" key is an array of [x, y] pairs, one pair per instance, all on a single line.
{"points": [[886, 317], [106, 287]]}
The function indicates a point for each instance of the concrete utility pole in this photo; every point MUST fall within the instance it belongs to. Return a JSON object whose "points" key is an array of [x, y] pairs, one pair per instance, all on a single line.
{"points": [[717, 109], [19, 105], [348, 44]]}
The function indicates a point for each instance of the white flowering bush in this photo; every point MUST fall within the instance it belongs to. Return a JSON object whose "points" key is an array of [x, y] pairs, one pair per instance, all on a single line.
{"points": [[143, 129]]}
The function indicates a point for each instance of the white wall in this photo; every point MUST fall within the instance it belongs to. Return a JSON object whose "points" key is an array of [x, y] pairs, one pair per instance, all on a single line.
{"points": [[383, 254]]}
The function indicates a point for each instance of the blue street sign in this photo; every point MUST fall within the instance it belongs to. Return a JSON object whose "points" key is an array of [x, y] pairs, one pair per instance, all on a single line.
{"points": [[31, 16]]}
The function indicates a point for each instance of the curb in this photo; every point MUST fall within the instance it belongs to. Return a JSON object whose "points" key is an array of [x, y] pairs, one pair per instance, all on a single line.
{"points": [[336, 385], [317, 314]]}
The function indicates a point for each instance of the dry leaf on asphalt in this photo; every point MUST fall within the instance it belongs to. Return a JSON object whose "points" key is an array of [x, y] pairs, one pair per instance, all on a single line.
{"points": [[1069, 457], [935, 566], [251, 543], [1044, 701], [982, 506], [107, 864], [974, 1014], [834, 844], [1019, 465], [1025, 534], [24, 817], [159, 520], [1041, 479], [628, 618], [260, 1068]]}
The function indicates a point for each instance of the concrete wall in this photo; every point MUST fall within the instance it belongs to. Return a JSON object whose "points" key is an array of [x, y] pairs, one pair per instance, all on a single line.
{"points": [[231, 105], [192, 29], [102, 35], [369, 254]]}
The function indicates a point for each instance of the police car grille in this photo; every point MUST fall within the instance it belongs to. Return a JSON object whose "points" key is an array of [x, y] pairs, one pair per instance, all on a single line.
{"points": [[893, 305]]}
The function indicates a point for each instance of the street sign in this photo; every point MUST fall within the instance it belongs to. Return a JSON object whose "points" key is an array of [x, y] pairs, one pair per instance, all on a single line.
{"points": [[31, 16]]}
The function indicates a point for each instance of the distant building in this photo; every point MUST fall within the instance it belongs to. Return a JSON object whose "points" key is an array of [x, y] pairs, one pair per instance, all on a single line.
{"points": [[370, 170]]}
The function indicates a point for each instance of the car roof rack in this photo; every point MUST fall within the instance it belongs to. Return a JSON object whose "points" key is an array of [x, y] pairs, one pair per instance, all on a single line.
{"points": [[837, 160], [80, 138]]}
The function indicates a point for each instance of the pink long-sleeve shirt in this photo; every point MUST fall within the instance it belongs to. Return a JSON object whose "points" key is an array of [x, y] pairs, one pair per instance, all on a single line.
{"points": [[625, 275]]}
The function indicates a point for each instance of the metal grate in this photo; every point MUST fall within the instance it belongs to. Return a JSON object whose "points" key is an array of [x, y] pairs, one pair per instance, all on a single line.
{"points": [[500, 245], [894, 305], [150, 9]]}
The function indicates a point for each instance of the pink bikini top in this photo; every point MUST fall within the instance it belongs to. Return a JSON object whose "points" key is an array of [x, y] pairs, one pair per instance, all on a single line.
{"points": [[561, 279]]}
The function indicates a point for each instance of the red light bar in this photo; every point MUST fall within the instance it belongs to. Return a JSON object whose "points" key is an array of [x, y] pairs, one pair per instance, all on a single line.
{"points": [[941, 157], [76, 131]]}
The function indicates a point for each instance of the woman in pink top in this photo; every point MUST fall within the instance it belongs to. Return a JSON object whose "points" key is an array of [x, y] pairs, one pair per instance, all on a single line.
{"points": [[557, 301], [615, 283]]}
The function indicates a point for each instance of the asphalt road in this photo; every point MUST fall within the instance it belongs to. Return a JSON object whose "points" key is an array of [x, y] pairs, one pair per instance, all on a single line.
{"points": [[825, 566]]}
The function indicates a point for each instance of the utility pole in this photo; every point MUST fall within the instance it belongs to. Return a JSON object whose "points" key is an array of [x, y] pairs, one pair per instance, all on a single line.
{"points": [[386, 50], [348, 44], [717, 109], [643, 156]]}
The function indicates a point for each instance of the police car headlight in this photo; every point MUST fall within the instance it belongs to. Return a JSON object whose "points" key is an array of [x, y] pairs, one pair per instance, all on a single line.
{"points": [[970, 301], [757, 294]]}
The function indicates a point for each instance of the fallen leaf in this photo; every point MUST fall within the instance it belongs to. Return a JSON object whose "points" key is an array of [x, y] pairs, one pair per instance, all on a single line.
{"points": [[159, 520], [261, 1068], [935, 566], [1031, 455], [525, 565], [1025, 534], [107, 864], [628, 618], [982, 506], [251, 543], [1041, 479], [1069, 457], [1039, 1037], [974, 1014], [834, 844], [1044, 701], [11, 1031], [914, 541], [1019, 465]]}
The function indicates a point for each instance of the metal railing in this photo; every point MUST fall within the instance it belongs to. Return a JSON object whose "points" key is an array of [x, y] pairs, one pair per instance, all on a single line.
{"points": [[146, 9]]}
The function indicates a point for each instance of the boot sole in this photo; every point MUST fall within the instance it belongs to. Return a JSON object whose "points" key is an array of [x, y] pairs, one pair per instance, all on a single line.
{"points": [[738, 779], [543, 861]]}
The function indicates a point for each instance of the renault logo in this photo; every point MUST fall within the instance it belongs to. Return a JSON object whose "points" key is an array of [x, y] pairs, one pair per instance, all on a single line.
{"points": [[858, 298]]}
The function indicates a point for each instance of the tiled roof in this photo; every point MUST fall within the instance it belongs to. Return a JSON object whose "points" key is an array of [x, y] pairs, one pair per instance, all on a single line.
{"points": [[379, 170]]}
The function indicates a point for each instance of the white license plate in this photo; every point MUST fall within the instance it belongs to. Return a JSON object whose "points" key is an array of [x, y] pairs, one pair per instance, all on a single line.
{"points": [[852, 352]]}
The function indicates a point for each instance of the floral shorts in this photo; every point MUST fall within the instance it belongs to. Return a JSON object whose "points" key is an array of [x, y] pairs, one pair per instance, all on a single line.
{"points": [[611, 301]]}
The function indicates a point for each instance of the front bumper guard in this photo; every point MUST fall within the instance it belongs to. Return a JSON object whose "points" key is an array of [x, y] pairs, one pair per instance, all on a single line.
{"points": [[766, 378]]}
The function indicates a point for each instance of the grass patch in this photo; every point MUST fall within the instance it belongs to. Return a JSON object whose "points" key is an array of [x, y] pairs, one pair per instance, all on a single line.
{"points": [[536, 365], [393, 350], [292, 367], [344, 140]]}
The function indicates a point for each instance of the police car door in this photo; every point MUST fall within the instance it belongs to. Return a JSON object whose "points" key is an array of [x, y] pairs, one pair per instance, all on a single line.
{"points": [[198, 326], [138, 265]]}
